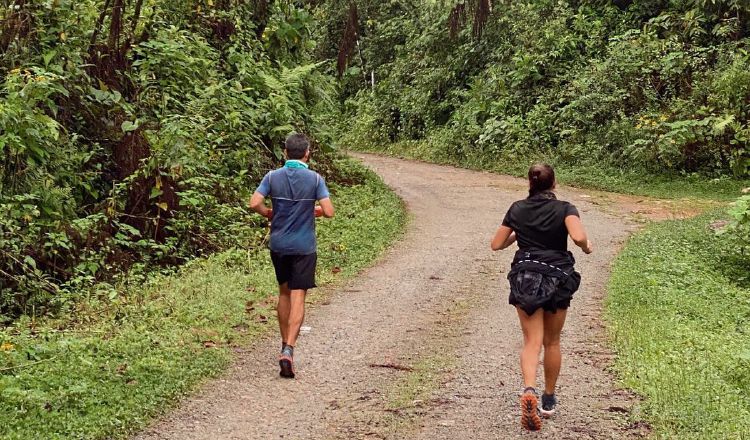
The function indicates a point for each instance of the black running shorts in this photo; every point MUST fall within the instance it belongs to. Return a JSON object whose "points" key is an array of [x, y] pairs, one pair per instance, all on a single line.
{"points": [[296, 270]]}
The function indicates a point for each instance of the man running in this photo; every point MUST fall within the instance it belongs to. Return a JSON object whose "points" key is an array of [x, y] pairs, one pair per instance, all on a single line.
{"points": [[293, 190]]}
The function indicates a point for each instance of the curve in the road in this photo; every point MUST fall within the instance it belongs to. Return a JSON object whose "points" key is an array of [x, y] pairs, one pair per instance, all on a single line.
{"points": [[438, 293]]}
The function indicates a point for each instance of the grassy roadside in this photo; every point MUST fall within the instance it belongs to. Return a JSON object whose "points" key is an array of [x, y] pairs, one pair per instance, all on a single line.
{"points": [[580, 175], [118, 363], [678, 309]]}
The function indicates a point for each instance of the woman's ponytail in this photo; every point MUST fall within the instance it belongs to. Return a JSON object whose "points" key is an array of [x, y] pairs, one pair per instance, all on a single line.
{"points": [[541, 178]]}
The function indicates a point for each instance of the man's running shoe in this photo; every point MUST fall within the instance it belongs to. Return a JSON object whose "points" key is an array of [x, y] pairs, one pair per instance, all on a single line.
{"points": [[549, 402], [286, 363], [530, 419]]}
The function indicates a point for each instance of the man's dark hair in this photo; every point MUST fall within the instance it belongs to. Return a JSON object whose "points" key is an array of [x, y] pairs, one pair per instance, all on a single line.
{"points": [[296, 146], [541, 178]]}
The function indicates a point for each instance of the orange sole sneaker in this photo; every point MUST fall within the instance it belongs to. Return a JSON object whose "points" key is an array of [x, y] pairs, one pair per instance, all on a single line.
{"points": [[530, 419]]}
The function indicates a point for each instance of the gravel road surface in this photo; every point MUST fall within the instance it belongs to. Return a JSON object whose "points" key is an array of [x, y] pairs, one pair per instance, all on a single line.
{"points": [[423, 344]]}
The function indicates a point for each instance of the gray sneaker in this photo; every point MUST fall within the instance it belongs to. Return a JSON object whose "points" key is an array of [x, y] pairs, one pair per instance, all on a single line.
{"points": [[549, 403], [286, 362]]}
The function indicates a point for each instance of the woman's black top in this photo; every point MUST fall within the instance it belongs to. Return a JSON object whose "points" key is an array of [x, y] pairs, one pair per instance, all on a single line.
{"points": [[539, 222], [542, 273]]}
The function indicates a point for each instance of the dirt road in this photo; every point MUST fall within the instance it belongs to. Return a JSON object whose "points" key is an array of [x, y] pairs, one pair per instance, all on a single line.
{"points": [[424, 345]]}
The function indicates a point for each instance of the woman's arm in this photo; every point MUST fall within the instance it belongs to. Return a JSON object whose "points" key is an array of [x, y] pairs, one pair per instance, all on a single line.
{"points": [[578, 233], [503, 238]]}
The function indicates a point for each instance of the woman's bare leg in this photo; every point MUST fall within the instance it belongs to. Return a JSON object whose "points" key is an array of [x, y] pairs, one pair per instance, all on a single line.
{"points": [[533, 337], [553, 325]]}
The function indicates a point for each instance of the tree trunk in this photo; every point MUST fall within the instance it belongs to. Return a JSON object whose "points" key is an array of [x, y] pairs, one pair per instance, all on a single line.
{"points": [[115, 26], [262, 14], [134, 21]]}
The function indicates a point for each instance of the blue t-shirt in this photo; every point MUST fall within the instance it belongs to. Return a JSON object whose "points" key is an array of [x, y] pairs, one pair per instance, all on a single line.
{"points": [[293, 192]]}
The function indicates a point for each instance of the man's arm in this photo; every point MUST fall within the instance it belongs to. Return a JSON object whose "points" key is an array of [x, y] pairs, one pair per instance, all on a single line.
{"points": [[325, 209], [257, 204]]}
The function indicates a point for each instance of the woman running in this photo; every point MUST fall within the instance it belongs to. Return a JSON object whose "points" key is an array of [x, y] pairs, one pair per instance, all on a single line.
{"points": [[542, 282]]}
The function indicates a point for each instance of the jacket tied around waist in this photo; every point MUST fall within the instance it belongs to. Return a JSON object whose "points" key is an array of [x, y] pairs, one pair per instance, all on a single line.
{"points": [[541, 278]]}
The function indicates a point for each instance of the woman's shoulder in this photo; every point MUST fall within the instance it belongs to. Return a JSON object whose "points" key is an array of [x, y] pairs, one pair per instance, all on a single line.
{"points": [[567, 207], [516, 205]]}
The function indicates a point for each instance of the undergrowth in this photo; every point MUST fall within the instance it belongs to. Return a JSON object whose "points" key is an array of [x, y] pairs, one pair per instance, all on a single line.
{"points": [[678, 308], [116, 363]]}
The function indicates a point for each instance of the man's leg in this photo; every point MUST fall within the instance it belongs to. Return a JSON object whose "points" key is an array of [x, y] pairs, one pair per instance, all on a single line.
{"points": [[293, 323], [303, 275], [282, 311], [553, 325], [296, 315]]}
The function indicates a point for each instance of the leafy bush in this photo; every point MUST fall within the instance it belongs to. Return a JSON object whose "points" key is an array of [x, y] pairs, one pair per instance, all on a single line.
{"points": [[133, 134], [739, 226]]}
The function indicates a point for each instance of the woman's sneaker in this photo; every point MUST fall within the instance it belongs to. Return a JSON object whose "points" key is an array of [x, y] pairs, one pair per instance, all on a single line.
{"points": [[549, 403], [530, 419]]}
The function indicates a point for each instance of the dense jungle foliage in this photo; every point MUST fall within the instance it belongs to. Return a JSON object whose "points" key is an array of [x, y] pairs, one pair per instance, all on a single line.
{"points": [[132, 131], [657, 86]]}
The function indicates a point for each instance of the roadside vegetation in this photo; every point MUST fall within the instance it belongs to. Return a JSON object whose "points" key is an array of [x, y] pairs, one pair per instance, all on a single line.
{"points": [[643, 97], [108, 368], [679, 314], [133, 131], [600, 177]]}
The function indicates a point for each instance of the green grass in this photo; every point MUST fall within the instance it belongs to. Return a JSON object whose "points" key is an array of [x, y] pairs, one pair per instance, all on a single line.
{"points": [[605, 178], [679, 309], [119, 362], [412, 393], [418, 384]]}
